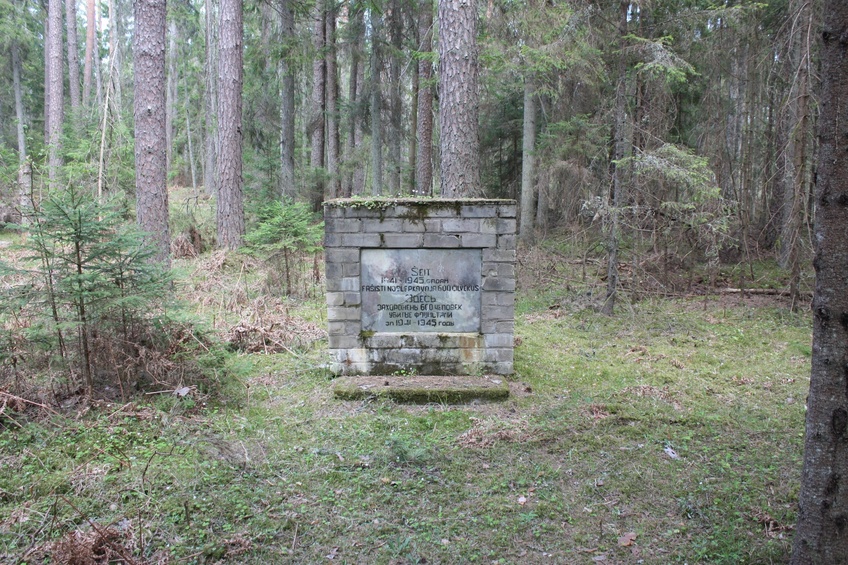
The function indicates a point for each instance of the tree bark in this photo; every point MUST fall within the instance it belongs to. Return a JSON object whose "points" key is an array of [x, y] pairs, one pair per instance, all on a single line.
{"points": [[171, 93], [24, 166], [316, 129], [191, 163], [334, 187], [359, 170], [823, 507], [459, 99], [287, 96], [90, 34], [149, 116], [395, 103], [424, 158], [210, 101], [355, 40], [54, 91], [20, 115], [796, 153], [528, 164], [115, 59], [230, 214], [376, 106], [73, 55], [619, 150]]}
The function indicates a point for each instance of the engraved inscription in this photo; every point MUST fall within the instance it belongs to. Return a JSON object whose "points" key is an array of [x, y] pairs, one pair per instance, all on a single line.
{"points": [[421, 290]]}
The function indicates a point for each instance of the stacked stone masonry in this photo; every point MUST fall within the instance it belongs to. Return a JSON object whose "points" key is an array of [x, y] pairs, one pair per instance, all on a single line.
{"points": [[485, 229]]}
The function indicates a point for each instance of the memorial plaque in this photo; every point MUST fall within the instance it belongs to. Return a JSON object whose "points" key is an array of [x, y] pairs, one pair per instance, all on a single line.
{"points": [[421, 290]]}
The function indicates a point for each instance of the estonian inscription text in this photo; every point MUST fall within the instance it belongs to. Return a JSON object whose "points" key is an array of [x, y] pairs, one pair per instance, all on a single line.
{"points": [[419, 290]]}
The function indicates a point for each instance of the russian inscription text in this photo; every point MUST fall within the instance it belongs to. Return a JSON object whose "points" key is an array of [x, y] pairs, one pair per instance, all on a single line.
{"points": [[421, 290]]}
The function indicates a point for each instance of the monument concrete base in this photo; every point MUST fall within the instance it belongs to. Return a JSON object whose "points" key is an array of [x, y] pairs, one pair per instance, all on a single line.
{"points": [[419, 389]]}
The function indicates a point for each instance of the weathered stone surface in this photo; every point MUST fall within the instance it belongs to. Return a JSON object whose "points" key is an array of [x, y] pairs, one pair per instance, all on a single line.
{"points": [[398, 240], [422, 389], [441, 240], [445, 271], [421, 290]]}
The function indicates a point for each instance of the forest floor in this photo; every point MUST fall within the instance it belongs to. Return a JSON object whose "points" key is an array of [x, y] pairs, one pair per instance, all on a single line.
{"points": [[671, 432]]}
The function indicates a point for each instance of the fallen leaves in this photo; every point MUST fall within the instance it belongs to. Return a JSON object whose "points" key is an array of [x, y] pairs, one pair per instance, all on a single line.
{"points": [[773, 528], [598, 411], [627, 539], [486, 433]]}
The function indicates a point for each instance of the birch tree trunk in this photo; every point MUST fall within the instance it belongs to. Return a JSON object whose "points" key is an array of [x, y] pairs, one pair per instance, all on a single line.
{"points": [[459, 99], [149, 116]]}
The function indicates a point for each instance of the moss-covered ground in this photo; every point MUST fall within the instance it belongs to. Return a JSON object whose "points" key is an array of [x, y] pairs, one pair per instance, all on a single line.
{"points": [[669, 433]]}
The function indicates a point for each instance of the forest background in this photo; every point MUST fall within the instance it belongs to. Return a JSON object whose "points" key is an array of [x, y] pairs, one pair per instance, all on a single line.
{"points": [[662, 148], [705, 110]]}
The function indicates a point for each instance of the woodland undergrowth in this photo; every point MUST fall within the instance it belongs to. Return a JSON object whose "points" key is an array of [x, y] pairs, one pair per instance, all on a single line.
{"points": [[668, 433]]}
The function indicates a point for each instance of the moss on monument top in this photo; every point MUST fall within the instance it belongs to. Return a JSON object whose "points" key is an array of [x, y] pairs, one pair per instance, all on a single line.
{"points": [[385, 201]]}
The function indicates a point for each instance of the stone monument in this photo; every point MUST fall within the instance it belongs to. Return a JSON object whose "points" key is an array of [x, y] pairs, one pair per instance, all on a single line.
{"points": [[420, 286]]}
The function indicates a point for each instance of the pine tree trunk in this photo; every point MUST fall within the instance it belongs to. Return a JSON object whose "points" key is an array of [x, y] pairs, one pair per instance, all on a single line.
{"points": [[619, 150], [287, 96], [317, 112], [171, 93], [88, 65], [395, 104], [796, 153], [149, 115], [191, 161], [376, 106], [459, 99], [334, 187], [820, 537], [73, 55], [358, 185], [230, 214], [210, 101], [424, 133], [528, 164], [356, 38]]}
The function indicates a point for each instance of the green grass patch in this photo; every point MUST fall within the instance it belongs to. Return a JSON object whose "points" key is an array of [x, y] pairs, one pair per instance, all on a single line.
{"points": [[674, 422]]}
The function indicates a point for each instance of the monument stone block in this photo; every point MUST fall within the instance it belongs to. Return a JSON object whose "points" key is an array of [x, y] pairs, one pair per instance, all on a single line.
{"points": [[420, 285]]}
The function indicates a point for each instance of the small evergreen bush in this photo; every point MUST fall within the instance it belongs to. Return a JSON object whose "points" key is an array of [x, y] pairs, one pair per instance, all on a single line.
{"points": [[85, 293], [286, 235]]}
